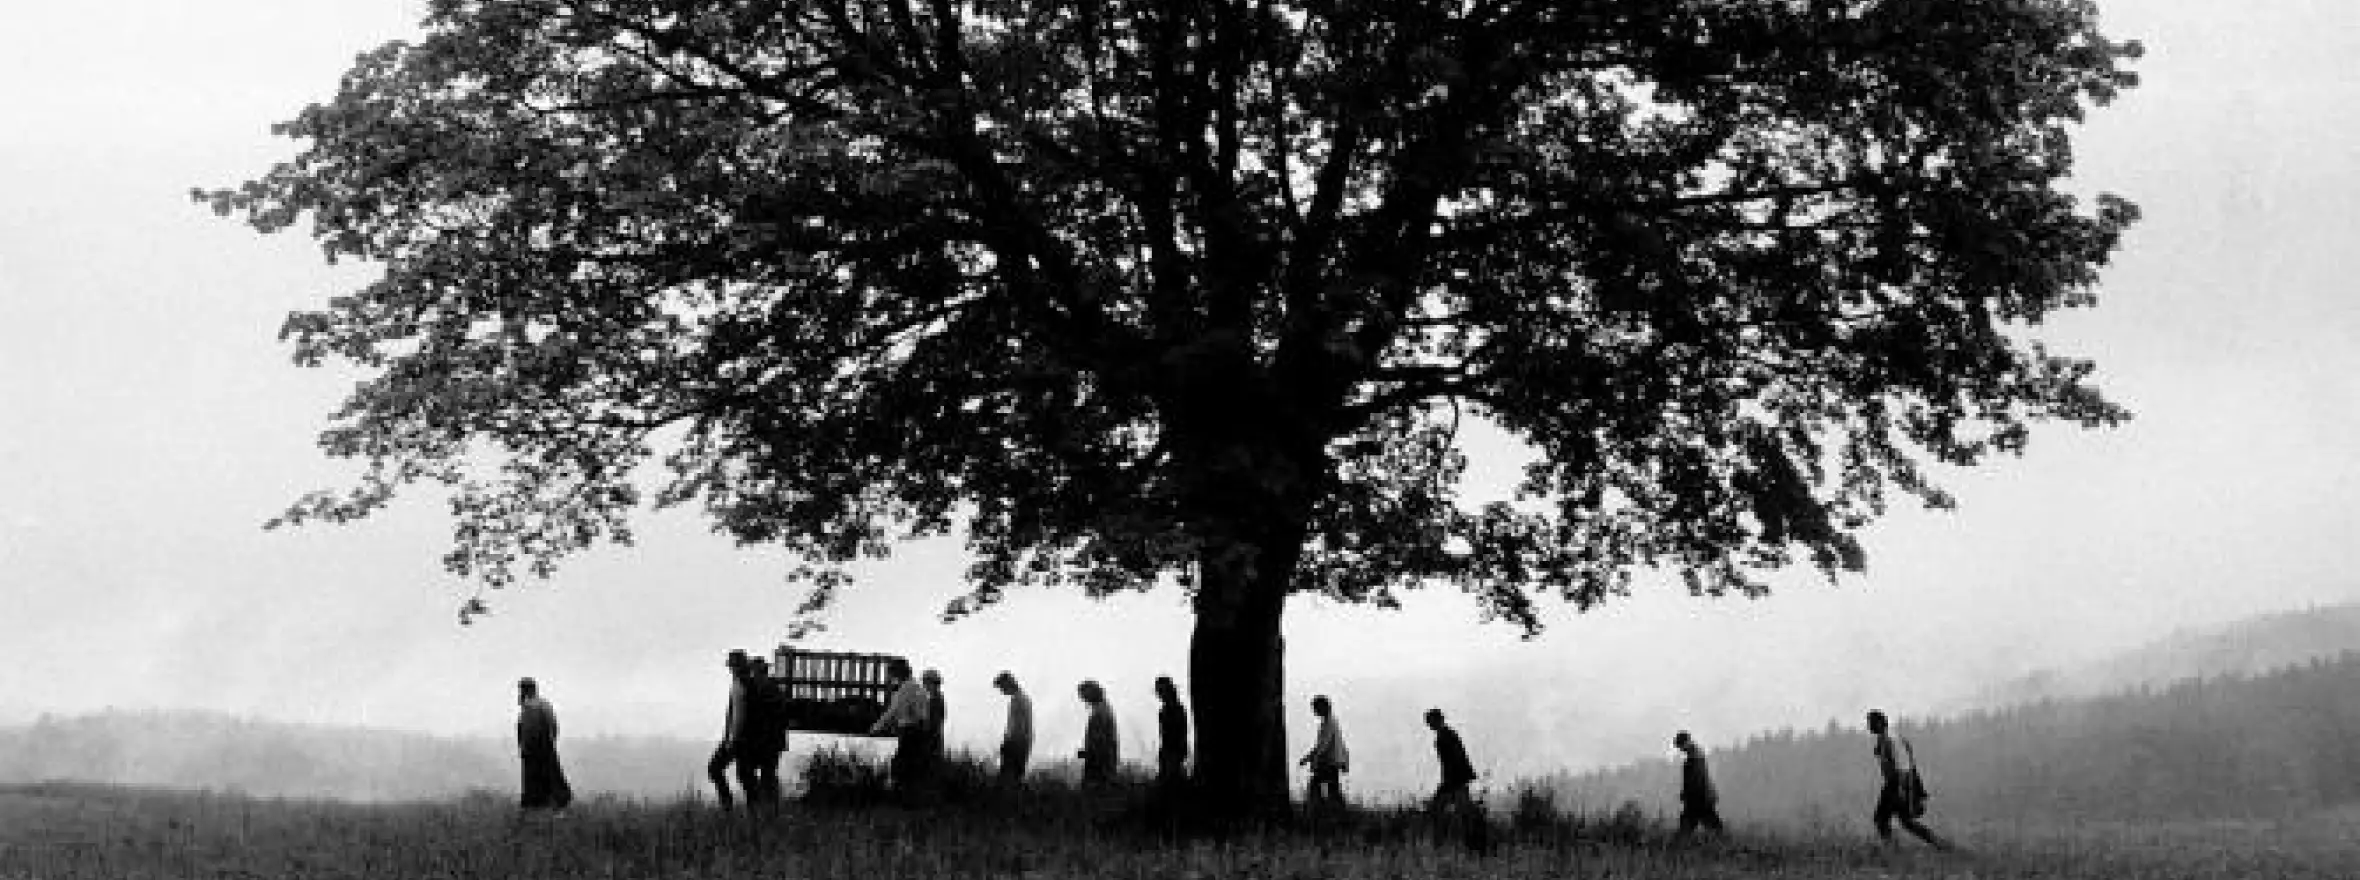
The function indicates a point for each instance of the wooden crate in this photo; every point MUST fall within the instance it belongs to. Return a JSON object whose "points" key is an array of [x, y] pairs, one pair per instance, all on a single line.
{"points": [[839, 692]]}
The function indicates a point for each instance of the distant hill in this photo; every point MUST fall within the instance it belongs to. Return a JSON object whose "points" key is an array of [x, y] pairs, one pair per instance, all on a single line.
{"points": [[2248, 647], [187, 749], [2225, 746]]}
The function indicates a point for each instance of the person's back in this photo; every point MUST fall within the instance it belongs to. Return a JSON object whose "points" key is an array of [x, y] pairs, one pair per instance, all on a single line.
{"points": [[1171, 762], [1100, 752], [536, 725], [536, 744], [1451, 752], [1016, 741]]}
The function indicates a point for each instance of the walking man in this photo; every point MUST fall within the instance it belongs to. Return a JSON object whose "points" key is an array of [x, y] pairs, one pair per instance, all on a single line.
{"points": [[1451, 799], [1327, 759], [1171, 756], [763, 739], [905, 718], [1099, 753], [1457, 771], [725, 753], [1902, 797], [936, 715], [1699, 802], [1016, 744], [536, 746]]}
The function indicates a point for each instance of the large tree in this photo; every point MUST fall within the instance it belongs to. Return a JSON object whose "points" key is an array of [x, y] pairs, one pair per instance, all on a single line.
{"points": [[1199, 291]]}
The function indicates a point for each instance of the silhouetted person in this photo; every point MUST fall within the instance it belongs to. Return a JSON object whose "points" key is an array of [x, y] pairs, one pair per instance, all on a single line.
{"points": [[1457, 771], [1171, 754], [905, 719], [764, 735], [1328, 759], [1700, 804], [1017, 742], [1896, 802], [725, 753], [1099, 752], [536, 745], [937, 714], [1451, 799]]}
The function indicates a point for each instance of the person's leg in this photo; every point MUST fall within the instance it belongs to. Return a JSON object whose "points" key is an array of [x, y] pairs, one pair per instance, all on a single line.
{"points": [[1915, 827], [766, 777], [717, 770], [749, 776], [1012, 761], [1711, 818], [1887, 808], [529, 793]]}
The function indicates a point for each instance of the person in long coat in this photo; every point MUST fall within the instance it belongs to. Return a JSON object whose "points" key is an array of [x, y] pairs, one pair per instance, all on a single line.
{"points": [[1099, 753], [536, 745]]}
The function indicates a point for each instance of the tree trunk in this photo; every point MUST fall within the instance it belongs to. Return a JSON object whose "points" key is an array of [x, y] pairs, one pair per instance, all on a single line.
{"points": [[1237, 681]]}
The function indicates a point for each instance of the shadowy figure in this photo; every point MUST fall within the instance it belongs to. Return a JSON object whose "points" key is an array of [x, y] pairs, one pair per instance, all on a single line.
{"points": [[536, 745], [906, 719], [763, 740], [1452, 804], [1017, 742], [1902, 797], [1171, 756], [1699, 801], [1457, 770], [1099, 752], [725, 753], [1328, 760], [937, 714]]}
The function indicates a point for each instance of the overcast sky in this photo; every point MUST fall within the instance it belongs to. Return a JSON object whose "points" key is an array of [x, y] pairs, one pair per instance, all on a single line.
{"points": [[150, 421]]}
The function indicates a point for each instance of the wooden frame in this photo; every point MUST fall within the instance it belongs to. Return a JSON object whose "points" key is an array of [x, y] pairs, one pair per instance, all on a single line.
{"points": [[841, 692]]}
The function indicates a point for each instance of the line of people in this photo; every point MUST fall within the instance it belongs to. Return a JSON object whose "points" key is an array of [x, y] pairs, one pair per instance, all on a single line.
{"points": [[754, 737]]}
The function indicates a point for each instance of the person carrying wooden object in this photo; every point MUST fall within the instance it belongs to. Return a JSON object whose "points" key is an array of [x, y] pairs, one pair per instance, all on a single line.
{"points": [[937, 715], [905, 719], [763, 738], [725, 753]]}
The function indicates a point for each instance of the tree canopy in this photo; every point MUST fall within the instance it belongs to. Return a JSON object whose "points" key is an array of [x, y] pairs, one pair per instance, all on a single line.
{"points": [[1126, 290]]}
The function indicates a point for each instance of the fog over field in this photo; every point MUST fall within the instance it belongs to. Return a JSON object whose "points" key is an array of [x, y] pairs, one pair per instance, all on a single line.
{"points": [[150, 422]]}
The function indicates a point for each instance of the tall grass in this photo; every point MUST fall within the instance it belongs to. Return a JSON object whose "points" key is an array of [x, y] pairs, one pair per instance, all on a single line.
{"points": [[847, 823]]}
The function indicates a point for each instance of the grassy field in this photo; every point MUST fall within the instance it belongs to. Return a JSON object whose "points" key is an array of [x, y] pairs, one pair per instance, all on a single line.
{"points": [[63, 830]]}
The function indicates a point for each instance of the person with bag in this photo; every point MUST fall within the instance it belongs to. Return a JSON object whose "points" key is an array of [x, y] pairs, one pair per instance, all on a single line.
{"points": [[1902, 796]]}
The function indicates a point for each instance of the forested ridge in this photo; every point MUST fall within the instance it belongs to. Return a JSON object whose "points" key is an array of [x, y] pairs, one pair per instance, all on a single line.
{"points": [[2233, 745], [204, 750]]}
